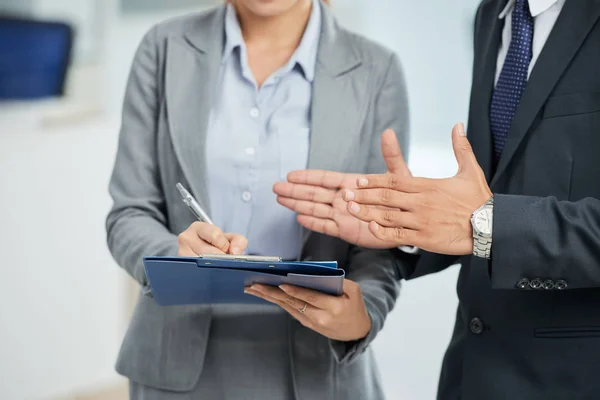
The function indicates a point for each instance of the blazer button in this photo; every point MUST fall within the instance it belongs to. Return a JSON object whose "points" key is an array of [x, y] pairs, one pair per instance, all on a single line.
{"points": [[535, 283], [476, 326], [560, 284], [548, 284], [523, 283]]}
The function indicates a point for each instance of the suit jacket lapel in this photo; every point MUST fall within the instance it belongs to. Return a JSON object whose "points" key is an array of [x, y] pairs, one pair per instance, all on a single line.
{"points": [[336, 114], [572, 27], [484, 73], [191, 75], [338, 100]]}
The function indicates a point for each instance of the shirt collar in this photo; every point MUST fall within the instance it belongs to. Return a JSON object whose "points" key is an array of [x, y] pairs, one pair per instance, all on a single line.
{"points": [[305, 55], [536, 7]]}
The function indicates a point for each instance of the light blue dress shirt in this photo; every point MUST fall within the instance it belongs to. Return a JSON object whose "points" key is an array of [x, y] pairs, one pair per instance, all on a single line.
{"points": [[256, 136]]}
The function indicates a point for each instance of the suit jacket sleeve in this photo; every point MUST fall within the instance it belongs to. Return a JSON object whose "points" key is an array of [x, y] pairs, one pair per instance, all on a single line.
{"points": [[136, 224], [376, 271], [545, 238]]}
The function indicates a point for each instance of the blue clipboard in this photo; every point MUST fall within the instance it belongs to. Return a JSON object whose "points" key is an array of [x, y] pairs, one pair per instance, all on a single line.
{"points": [[206, 280]]}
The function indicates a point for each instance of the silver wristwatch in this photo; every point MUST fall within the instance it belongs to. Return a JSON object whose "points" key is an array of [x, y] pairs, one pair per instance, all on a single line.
{"points": [[482, 220]]}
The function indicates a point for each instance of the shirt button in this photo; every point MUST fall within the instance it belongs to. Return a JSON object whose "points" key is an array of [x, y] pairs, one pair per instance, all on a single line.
{"points": [[246, 196], [476, 326], [254, 113], [250, 151]]}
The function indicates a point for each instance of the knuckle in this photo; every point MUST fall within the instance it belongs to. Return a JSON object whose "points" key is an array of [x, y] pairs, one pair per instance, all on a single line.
{"points": [[196, 226], [389, 216], [384, 196], [311, 298], [399, 234], [216, 233], [323, 320], [290, 300], [393, 181], [337, 310]]}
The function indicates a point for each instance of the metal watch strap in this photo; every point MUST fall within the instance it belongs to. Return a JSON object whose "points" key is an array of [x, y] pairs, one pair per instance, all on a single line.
{"points": [[482, 246]]}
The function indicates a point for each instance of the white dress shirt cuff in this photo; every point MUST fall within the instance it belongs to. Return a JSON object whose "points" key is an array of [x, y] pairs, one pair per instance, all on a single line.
{"points": [[409, 249]]}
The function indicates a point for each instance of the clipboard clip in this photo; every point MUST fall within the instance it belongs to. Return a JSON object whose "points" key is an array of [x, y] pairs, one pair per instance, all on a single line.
{"points": [[233, 257]]}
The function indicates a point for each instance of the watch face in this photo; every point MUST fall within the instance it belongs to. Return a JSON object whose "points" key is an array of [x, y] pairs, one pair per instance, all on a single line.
{"points": [[483, 221]]}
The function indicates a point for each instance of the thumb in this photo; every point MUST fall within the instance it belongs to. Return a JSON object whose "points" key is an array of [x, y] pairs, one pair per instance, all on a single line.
{"points": [[463, 151], [392, 154]]}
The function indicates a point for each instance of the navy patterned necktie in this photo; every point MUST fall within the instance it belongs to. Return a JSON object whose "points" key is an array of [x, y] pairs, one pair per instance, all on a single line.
{"points": [[513, 77]]}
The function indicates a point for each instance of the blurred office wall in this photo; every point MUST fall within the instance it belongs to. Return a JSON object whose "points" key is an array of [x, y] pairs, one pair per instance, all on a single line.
{"points": [[64, 302]]}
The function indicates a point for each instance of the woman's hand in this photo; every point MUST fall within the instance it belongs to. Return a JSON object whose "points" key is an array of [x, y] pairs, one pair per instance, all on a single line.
{"points": [[202, 238], [343, 318]]}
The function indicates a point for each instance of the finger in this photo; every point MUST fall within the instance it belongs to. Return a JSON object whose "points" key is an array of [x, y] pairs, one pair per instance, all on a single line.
{"points": [[303, 318], [399, 236], [351, 288], [307, 207], [278, 294], [326, 179], [406, 184], [304, 192], [237, 243], [388, 217], [463, 151], [185, 250], [316, 299], [212, 235], [380, 197], [189, 244], [392, 154], [319, 225]]}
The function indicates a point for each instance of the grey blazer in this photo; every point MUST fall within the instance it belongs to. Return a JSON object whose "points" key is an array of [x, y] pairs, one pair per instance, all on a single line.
{"points": [[358, 92]]}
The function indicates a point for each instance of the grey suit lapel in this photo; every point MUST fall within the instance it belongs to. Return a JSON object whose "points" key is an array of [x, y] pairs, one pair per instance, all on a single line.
{"points": [[338, 100], [572, 27], [190, 79]]}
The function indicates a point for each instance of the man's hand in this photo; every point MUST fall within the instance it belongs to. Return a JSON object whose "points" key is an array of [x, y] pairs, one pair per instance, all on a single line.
{"points": [[432, 214], [202, 238], [343, 318], [317, 197]]}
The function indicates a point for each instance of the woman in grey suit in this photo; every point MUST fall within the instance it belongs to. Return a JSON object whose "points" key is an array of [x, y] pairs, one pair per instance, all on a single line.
{"points": [[227, 102]]}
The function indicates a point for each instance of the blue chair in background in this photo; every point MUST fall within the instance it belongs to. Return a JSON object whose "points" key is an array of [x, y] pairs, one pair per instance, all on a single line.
{"points": [[34, 58]]}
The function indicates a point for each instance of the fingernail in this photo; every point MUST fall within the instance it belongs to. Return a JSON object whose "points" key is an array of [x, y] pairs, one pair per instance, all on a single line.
{"points": [[375, 226], [354, 207], [349, 195], [363, 182], [246, 291], [461, 130], [235, 250]]}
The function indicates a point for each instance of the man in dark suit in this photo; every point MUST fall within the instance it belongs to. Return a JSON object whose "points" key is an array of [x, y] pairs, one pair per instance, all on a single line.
{"points": [[522, 215]]}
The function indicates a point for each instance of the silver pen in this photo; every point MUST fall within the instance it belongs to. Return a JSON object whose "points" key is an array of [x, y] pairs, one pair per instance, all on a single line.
{"points": [[193, 205], [233, 257]]}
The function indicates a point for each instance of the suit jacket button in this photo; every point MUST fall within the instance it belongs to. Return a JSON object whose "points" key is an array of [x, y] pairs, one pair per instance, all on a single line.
{"points": [[523, 283], [535, 283], [561, 284], [476, 326], [548, 284]]}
